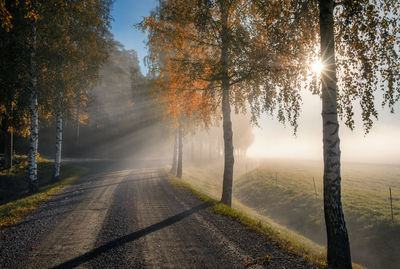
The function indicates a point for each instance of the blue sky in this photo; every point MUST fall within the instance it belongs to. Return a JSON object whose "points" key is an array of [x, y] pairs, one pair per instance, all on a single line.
{"points": [[126, 13]]}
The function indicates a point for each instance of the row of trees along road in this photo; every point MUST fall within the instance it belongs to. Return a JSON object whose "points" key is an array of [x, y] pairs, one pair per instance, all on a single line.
{"points": [[50, 52], [113, 117], [257, 54]]}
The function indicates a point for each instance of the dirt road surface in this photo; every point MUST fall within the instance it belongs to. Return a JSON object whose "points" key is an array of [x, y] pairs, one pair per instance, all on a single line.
{"points": [[134, 218]]}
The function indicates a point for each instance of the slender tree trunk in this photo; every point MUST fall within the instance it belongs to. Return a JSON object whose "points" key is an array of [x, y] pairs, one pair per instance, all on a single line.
{"points": [[219, 148], [192, 149], [200, 151], [77, 124], [57, 159], [338, 241], [11, 148], [180, 151], [210, 150], [8, 138], [228, 150], [226, 111], [33, 108], [8, 149], [174, 156]]}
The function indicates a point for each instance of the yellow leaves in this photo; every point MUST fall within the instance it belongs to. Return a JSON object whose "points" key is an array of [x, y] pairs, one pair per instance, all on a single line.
{"points": [[149, 21], [47, 116]]}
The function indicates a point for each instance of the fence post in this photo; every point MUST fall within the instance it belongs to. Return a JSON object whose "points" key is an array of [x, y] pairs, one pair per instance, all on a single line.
{"points": [[315, 189], [391, 203]]}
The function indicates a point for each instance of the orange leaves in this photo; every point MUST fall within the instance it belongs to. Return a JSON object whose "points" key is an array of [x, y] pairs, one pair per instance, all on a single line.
{"points": [[83, 118], [2, 109], [32, 12], [182, 95], [5, 17], [148, 22], [190, 104], [183, 59]]}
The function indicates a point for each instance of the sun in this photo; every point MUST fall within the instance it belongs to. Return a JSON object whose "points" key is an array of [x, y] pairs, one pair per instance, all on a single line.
{"points": [[317, 67]]}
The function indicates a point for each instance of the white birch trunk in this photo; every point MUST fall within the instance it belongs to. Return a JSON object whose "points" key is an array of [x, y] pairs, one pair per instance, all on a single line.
{"points": [[338, 241], [33, 109], [57, 159]]}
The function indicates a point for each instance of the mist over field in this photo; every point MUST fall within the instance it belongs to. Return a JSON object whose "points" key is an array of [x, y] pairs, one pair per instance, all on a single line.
{"points": [[380, 145]]}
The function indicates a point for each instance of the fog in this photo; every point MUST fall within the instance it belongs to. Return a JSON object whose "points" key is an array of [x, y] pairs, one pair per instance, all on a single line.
{"points": [[119, 120], [381, 145]]}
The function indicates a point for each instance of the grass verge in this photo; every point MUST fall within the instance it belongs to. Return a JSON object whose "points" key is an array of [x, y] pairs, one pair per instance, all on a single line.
{"points": [[14, 211], [256, 225]]}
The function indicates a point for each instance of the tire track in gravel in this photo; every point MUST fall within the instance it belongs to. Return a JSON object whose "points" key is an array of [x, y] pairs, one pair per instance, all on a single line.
{"points": [[184, 243], [78, 231], [190, 243], [120, 221]]}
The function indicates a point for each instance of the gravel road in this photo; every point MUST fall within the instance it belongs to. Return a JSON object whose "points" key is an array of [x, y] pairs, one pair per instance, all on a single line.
{"points": [[134, 218]]}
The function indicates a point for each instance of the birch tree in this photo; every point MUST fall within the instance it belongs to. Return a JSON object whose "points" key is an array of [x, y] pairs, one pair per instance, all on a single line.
{"points": [[74, 47], [338, 241], [16, 47], [222, 53], [358, 43], [361, 25], [13, 78], [60, 58], [33, 107]]}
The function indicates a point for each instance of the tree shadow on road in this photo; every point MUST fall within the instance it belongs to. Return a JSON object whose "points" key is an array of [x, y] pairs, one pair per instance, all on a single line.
{"points": [[130, 237]]}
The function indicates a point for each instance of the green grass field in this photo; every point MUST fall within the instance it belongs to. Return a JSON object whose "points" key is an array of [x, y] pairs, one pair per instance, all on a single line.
{"points": [[283, 191]]}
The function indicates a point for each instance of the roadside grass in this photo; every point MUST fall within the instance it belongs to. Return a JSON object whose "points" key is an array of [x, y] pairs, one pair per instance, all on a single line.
{"points": [[13, 211], [13, 181], [288, 240]]}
